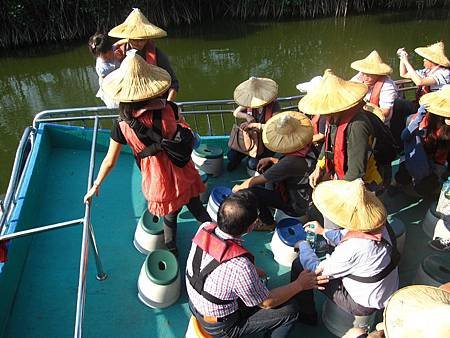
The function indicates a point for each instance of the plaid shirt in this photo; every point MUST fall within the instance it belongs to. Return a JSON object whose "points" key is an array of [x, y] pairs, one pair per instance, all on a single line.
{"points": [[233, 279]]}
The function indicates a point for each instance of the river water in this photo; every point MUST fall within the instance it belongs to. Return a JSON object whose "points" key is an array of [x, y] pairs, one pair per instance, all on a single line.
{"points": [[210, 61]]}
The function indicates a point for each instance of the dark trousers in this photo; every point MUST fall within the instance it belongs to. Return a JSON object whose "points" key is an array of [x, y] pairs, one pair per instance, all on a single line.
{"points": [[196, 208], [401, 110], [235, 156], [334, 290], [277, 322], [269, 199]]}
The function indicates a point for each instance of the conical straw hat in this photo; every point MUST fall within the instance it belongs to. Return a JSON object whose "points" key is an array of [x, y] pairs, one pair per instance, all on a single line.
{"points": [[287, 132], [332, 95], [136, 80], [350, 205], [372, 64], [256, 92], [434, 53], [438, 102], [136, 26], [371, 108], [418, 311]]}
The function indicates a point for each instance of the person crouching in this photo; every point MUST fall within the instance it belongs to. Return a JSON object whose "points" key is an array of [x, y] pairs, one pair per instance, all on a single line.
{"points": [[363, 267], [225, 292]]}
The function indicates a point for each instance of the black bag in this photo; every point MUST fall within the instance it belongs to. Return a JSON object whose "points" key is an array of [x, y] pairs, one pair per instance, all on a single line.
{"points": [[178, 149], [385, 149]]}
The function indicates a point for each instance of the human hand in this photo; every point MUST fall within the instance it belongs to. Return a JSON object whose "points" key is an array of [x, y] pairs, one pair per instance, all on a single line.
{"points": [[250, 118], [315, 177], [307, 280], [93, 191], [253, 125], [315, 227], [263, 164]]}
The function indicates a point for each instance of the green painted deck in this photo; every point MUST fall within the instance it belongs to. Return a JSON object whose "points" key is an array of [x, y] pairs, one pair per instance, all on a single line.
{"points": [[43, 305]]}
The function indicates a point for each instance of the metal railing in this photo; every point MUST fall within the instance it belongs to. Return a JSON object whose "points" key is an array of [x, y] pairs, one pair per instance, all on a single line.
{"points": [[193, 111]]}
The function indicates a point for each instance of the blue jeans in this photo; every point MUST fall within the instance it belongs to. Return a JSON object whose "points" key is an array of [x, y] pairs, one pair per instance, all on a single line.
{"points": [[276, 322]]}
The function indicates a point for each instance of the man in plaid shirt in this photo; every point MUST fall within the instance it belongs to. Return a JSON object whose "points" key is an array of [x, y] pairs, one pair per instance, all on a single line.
{"points": [[232, 301]]}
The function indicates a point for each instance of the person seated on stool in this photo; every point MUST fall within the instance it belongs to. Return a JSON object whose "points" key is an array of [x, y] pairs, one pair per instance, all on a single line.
{"points": [[257, 102], [225, 292], [289, 133], [363, 267]]}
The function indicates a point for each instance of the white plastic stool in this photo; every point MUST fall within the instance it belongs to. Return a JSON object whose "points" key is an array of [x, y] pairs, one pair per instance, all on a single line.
{"points": [[159, 280], [195, 330], [280, 214], [204, 195], [208, 159], [338, 321], [430, 220], [434, 270], [218, 194], [441, 230], [288, 232], [149, 234], [400, 232]]}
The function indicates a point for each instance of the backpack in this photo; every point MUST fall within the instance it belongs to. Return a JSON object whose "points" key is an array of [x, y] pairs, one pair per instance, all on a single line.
{"points": [[178, 149], [385, 148]]}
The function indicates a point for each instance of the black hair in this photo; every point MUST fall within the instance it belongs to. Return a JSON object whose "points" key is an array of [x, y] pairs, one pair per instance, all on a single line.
{"points": [[438, 134], [100, 43], [126, 109], [237, 212]]}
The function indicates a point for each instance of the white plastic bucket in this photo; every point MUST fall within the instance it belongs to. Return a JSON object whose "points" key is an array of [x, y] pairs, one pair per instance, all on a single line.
{"points": [[208, 159], [218, 194], [288, 232], [149, 234], [430, 220]]}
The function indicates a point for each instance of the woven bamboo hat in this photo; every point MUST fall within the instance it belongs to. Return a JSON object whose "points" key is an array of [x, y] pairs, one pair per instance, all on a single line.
{"points": [[332, 95], [434, 53], [287, 132], [372, 64], [350, 205], [371, 108], [136, 80], [438, 102], [417, 311], [137, 27], [256, 92]]}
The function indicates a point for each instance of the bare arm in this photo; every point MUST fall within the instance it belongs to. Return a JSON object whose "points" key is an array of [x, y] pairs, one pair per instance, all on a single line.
{"points": [[410, 73], [241, 113], [107, 164], [306, 280], [172, 95], [250, 182]]}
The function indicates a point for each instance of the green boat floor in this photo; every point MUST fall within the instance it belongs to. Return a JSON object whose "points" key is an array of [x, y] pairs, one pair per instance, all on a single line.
{"points": [[46, 298]]}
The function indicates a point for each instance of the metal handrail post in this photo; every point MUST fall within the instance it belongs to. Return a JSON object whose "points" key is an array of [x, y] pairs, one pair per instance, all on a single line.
{"points": [[81, 294]]}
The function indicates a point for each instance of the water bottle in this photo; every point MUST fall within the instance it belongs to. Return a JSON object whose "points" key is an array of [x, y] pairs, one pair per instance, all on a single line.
{"points": [[443, 205], [311, 236]]}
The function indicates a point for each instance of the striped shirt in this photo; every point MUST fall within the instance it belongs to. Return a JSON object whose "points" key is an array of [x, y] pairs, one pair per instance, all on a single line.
{"points": [[232, 280], [441, 75]]}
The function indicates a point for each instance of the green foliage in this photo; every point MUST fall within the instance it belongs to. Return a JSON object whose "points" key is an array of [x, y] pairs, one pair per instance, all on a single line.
{"points": [[40, 21]]}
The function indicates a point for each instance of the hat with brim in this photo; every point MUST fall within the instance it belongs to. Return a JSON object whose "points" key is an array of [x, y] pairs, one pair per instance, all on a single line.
{"points": [[306, 87], [287, 132], [136, 80], [256, 92], [435, 53], [332, 95], [372, 64], [372, 108], [137, 27], [417, 311], [438, 102], [349, 205]]}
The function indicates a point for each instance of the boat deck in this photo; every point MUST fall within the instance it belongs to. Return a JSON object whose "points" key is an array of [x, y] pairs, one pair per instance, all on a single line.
{"points": [[43, 305]]}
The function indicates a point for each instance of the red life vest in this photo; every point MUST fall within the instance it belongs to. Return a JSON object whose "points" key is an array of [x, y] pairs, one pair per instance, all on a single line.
{"points": [[315, 123], [149, 52], [439, 154], [221, 250], [376, 90], [338, 165]]}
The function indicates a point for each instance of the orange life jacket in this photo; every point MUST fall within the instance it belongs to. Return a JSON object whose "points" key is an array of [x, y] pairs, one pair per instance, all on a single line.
{"points": [[440, 154], [149, 52], [338, 163], [315, 123]]}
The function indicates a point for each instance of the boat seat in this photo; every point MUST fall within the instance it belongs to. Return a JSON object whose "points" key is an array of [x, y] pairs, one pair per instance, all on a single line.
{"points": [[218, 194], [209, 159], [338, 321], [430, 220], [159, 280], [434, 270], [195, 330], [287, 232], [204, 176], [149, 234], [399, 229]]}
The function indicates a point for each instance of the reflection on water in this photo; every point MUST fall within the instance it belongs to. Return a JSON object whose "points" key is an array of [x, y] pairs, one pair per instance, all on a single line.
{"points": [[210, 61]]}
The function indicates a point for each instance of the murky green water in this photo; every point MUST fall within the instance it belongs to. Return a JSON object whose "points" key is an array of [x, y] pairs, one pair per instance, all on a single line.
{"points": [[211, 61]]}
